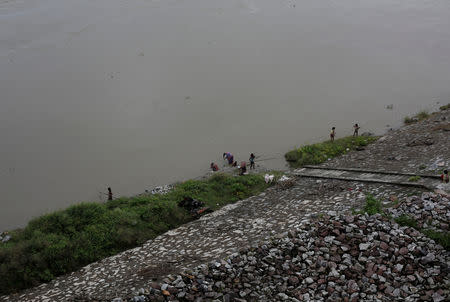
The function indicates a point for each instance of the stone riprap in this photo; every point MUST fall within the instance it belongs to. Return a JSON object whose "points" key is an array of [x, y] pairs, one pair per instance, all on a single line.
{"points": [[430, 211], [214, 236], [335, 258]]}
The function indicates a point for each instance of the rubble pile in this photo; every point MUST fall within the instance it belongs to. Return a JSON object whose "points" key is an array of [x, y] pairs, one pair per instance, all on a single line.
{"points": [[430, 211], [336, 258]]}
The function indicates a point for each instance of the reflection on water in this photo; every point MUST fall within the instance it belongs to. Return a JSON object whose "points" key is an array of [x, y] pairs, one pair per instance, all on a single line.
{"points": [[133, 94]]}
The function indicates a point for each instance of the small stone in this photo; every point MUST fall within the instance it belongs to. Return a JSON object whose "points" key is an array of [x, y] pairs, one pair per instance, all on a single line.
{"points": [[437, 297], [283, 296], [403, 251], [364, 246], [164, 286]]}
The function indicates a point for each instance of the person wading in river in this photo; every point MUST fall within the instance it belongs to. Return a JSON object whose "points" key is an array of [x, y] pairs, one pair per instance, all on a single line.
{"points": [[355, 130], [228, 156], [110, 194], [332, 134], [252, 161]]}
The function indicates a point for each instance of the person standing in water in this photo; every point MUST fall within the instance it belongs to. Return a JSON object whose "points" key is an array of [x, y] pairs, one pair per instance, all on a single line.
{"points": [[229, 157], [252, 161], [355, 130], [332, 134], [110, 195]]}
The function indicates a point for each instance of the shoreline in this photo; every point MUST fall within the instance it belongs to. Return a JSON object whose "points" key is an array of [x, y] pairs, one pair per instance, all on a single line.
{"points": [[357, 158]]}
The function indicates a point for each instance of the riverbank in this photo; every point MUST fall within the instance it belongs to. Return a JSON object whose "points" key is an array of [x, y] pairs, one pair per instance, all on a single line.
{"points": [[251, 221], [64, 241]]}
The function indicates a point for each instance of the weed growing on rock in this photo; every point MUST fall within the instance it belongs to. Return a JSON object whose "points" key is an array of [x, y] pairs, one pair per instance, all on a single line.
{"points": [[414, 178], [372, 206], [405, 220], [443, 238]]}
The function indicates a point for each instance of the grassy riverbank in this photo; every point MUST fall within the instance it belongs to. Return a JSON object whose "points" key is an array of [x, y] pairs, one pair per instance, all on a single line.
{"points": [[320, 152], [66, 240]]}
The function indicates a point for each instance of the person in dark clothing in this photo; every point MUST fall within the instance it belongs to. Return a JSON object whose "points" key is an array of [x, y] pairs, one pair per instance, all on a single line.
{"points": [[355, 130], [243, 168], [444, 176], [110, 194], [228, 156], [190, 203], [252, 161]]}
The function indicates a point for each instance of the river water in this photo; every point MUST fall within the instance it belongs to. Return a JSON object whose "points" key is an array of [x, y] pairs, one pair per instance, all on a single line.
{"points": [[137, 93]]}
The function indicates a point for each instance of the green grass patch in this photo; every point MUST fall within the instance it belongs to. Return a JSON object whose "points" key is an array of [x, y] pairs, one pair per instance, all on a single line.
{"points": [[423, 115], [63, 241], [420, 116], [445, 107], [405, 220], [320, 152], [443, 238], [409, 120], [414, 178], [372, 206]]}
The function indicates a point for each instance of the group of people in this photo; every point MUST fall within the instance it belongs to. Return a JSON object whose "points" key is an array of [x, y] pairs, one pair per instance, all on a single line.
{"points": [[243, 166], [356, 128], [231, 162]]}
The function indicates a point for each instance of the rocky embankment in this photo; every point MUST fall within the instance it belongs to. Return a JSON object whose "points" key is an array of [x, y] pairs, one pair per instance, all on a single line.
{"points": [[430, 211], [277, 246], [337, 258]]}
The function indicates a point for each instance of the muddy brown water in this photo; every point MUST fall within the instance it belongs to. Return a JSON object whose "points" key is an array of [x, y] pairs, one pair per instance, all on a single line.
{"points": [[133, 94]]}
